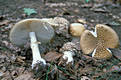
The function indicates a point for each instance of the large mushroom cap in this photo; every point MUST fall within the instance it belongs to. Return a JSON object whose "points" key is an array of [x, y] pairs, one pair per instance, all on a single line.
{"points": [[108, 35], [19, 34], [99, 41]]}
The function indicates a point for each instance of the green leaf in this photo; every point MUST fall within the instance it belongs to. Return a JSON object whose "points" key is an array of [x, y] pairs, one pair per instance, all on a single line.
{"points": [[29, 11], [87, 1]]}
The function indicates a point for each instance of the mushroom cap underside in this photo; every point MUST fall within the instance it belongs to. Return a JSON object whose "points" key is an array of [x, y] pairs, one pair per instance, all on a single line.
{"points": [[106, 38], [19, 34]]}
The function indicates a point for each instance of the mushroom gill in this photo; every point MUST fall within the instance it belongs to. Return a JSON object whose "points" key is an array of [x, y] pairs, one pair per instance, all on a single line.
{"points": [[99, 42]]}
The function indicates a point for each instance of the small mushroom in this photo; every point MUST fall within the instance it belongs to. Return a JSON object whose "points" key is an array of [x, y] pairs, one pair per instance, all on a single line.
{"points": [[99, 42], [76, 29], [68, 49], [37, 31]]}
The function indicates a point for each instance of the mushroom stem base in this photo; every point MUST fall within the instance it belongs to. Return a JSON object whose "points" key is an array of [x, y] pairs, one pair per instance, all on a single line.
{"points": [[69, 56], [35, 51]]}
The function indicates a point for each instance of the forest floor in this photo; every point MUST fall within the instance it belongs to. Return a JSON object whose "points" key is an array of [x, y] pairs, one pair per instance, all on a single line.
{"points": [[15, 62]]}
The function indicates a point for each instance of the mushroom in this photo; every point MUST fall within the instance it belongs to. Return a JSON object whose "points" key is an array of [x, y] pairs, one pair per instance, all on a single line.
{"points": [[37, 31], [60, 25], [99, 42], [76, 29], [69, 50]]}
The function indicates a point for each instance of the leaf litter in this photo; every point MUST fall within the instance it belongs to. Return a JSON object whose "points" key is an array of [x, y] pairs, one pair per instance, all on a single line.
{"points": [[15, 63]]}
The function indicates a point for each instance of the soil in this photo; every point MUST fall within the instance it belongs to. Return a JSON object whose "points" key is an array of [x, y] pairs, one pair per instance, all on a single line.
{"points": [[15, 62]]}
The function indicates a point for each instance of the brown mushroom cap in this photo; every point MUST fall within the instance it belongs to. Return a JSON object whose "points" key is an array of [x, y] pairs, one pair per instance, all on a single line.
{"points": [[102, 53], [87, 42], [107, 35], [60, 21], [19, 34], [106, 38], [76, 29], [56, 22], [60, 25]]}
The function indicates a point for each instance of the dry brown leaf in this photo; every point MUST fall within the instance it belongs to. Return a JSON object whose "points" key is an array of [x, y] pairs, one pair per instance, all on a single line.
{"points": [[86, 5], [20, 59], [116, 68], [27, 76], [5, 22], [83, 21], [21, 70], [14, 73], [52, 56], [116, 53], [99, 10], [6, 76]]}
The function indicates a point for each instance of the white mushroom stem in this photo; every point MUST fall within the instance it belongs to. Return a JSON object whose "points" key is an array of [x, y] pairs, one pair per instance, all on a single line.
{"points": [[69, 56], [94, 33], [94, 52], [35, 50], [109, 50]]}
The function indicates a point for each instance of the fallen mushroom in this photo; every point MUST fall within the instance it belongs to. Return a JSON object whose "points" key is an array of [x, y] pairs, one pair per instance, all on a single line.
{"points": [[76, 29], [57, 21], [68, 49], [33, 29], [60, 24], [99, 42]]}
